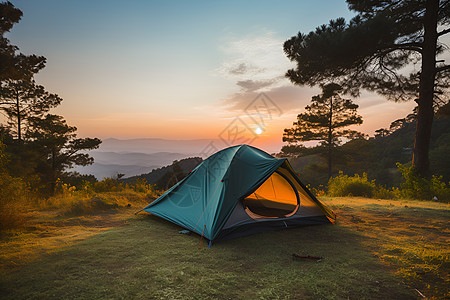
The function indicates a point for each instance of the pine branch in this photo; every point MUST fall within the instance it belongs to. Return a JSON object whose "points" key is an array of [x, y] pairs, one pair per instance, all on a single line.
{"points": [[445, 31], [442, 68], [413, 46]]}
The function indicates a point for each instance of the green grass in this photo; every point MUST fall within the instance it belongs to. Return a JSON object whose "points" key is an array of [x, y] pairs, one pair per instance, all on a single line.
{"points": [[411, 237], [367, 255]]}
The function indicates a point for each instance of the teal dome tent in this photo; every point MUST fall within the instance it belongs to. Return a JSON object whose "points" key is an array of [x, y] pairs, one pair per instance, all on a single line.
{"points": [[238, 191]]}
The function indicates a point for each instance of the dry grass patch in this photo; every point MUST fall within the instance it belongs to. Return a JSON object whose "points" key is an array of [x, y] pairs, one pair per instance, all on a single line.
{"points": [[52, 225], [110, 253], [411, 237]]}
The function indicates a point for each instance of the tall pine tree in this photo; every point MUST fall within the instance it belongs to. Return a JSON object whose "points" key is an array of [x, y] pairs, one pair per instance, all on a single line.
{"points": [[20, 97], [59, 146], [326, 120], [371, 52]]}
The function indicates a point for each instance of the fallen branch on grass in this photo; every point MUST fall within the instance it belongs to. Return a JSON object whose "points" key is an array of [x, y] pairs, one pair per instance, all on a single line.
{"points": [[306, 257]]}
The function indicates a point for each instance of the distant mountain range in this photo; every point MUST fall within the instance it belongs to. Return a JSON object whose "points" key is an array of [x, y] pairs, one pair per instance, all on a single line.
{"points": [[160, 176], [138, 159], [140, 156], [154, 145], [101, 171]]}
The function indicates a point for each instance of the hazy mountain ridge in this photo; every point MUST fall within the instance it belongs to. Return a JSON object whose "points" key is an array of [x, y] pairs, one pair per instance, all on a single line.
{"points": [[133, 158], [109, 164], [153, 177], [101, 171], [154, 145], [140, 156]]}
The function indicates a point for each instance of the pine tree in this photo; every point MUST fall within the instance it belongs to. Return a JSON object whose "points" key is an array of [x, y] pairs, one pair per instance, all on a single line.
{"points": [[372, 52], [20, 97], [59, 147], [326, 120]]}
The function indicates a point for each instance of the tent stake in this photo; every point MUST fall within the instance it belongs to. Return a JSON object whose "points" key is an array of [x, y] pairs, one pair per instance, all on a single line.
{"points": [[201, 239]]}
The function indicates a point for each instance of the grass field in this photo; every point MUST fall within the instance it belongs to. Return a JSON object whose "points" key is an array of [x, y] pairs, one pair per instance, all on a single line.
{"points": [[379, 249]]}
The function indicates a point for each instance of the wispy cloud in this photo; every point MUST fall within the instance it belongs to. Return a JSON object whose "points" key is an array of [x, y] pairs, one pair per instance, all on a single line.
{"points": [[288, 98], [257, 64], [250, 85], [258, 58]]}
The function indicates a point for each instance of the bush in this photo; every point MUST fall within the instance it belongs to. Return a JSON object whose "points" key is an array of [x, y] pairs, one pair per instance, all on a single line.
{"points": [[76, 179], [64, 189], [91, 198], [381, 192], [344, 185], [319, 192], [13, 194], [413, 186], [87, 187], [141, 186], [416, 187], [86, 206], [440, 189], [108, 185]]}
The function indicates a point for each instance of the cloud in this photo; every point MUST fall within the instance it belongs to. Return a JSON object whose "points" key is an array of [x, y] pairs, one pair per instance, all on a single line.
{"points": [[288, 98], [254, 85], [239, 68], [257, 64], [257, 58]]}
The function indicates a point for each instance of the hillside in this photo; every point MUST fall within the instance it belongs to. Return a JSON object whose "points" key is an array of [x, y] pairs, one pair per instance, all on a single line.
{"points": [[157, 175], [378, 155]]}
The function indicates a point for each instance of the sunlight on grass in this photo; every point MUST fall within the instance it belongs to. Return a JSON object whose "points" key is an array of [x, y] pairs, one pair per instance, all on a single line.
{"points": [[409, 236], [148, 258], [53, 224], [110, 253]]}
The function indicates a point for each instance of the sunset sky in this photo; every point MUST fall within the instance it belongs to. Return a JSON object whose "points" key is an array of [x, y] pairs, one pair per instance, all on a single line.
{"points": [[178, 69]]}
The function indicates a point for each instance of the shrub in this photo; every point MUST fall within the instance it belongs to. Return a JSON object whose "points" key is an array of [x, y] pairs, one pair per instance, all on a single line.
{"points": [[381, 192], [344, 185], [141, 186], [108, 185], [416, 187], [86, 206], [440, 189], [87, 187], [64, 189], [319, 192], [13, 194], [413, 186], [77, 180]]}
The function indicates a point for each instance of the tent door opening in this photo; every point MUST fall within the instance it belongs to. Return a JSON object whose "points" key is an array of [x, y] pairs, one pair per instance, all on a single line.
{"points": [[277, 197]]}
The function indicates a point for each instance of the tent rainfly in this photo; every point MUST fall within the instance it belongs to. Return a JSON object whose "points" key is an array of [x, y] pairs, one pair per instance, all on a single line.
{"points": [[239, 191]]}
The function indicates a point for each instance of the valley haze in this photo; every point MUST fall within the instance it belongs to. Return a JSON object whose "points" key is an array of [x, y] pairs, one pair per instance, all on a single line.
{"points": [[140, 156]]}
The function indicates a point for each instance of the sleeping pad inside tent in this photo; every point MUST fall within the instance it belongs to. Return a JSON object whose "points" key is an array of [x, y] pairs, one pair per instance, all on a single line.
{"points": [[239, 191]]}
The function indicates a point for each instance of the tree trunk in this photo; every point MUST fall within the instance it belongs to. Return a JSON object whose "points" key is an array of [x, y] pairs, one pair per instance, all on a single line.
{"points": [[19, 118], [426, 90], [330, 137], [53, 173]]}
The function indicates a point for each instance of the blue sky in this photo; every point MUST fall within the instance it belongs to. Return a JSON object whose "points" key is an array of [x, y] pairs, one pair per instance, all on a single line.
{"points": [[176, 69]]}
